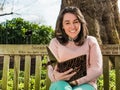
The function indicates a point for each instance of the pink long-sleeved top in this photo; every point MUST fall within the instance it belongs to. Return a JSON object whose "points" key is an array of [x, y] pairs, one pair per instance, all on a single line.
{"points": [[90, 48]]}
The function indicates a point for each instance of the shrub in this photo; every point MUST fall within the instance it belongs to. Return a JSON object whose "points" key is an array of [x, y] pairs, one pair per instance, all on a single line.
{"points": [[111, 81]]}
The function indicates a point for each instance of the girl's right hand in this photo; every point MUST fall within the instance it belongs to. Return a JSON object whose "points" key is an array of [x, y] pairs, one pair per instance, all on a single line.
{"points": [[63, 76]]}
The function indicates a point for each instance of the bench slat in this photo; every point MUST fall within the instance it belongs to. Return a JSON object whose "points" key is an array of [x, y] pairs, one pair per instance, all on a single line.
{"points": [[27, 72], [38, 72], [16, 72], [5, 72], [106, 72], [117, 72]]}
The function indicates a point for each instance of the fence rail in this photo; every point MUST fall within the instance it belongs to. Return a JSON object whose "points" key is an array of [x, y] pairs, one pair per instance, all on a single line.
{"points": [[38, 51]]}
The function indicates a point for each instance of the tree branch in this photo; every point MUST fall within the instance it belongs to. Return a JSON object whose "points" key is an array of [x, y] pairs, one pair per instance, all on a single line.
{"points": [[6, 14]]}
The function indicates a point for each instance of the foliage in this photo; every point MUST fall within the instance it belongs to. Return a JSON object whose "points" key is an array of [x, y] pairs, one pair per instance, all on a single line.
{"points": [[18, 31], [111, 82], [42, 35]]}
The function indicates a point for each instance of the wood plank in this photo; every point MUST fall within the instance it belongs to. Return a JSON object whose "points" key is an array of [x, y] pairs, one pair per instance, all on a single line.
{"points": [[106, 72], [111, 49], [117, 72], [16, 72], [5, 72], [22, 49], [38, 72], [27, 72]]}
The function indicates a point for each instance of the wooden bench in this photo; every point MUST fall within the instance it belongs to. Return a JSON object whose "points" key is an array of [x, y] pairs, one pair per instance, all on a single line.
{"points": [[38, 51], [111, 50]]}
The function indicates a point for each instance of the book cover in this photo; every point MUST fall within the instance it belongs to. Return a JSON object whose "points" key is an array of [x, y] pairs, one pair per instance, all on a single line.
{"points": [[78, 64]]}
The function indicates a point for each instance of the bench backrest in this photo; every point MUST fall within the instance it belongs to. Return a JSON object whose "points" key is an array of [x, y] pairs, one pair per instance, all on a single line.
{"points": [[107, 51], [38, 51]]}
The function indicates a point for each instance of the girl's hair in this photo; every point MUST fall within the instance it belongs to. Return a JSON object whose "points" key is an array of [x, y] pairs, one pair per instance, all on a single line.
{"points": [[60, 34]]}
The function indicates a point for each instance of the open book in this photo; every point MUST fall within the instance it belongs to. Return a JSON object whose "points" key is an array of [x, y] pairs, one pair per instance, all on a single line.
{"points": [[78, 64]]}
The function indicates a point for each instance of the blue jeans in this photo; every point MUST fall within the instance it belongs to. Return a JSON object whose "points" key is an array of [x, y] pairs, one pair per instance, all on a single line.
{"points": [[62, 85]]}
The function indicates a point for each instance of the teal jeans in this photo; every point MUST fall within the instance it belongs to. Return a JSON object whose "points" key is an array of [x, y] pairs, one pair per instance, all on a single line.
{"points": [[62, 85]]}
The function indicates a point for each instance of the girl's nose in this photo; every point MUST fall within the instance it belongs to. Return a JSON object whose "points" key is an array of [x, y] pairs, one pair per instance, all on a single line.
{"points": [[72, 26]]}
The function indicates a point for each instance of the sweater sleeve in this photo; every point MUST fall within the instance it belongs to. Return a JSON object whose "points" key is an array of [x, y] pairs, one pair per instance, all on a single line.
{"points": [[50, 73], [53, 48], [94, 69]]}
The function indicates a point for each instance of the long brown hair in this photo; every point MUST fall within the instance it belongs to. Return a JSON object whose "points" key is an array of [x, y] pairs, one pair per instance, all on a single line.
{"points": [[60, 34]]}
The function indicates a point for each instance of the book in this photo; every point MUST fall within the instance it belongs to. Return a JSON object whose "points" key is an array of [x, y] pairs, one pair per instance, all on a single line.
{"points": [[78, 64]]}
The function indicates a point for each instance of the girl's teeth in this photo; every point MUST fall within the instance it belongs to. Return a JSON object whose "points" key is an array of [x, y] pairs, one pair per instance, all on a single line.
{"points": [[72, 31]]}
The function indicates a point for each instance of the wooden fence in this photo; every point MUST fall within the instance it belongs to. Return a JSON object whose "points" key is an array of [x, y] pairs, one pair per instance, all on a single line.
{"points": [[39, 51]]}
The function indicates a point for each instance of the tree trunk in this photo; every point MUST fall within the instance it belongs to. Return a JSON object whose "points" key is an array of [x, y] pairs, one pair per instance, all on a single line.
{"points": [[102, 17]]}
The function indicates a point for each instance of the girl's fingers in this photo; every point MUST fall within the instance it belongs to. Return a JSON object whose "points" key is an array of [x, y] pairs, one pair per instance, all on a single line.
{"points": [[55, 68], [68, 71], [68, 76]]}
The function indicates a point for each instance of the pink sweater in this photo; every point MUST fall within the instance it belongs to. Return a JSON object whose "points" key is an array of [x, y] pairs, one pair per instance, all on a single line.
{"points": [[90, 48]]}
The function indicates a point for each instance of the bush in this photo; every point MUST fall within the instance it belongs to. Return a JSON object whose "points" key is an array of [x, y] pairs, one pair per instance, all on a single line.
{"points": [[111, 82], [18, 31]]}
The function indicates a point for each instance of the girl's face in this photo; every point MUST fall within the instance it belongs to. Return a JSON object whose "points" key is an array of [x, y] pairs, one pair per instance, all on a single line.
{"points": [[71, 25]]}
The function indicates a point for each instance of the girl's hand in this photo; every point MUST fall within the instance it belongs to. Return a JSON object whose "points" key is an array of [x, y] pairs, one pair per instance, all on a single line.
{"points": [[63, 76]]}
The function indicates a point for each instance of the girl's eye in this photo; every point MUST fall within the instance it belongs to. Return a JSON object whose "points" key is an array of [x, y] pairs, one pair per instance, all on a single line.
{"points": [[67, 23], [76, 21]]}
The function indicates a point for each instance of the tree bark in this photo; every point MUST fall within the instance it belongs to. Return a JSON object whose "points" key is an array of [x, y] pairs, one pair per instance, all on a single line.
{"points": [[102, 17]]}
